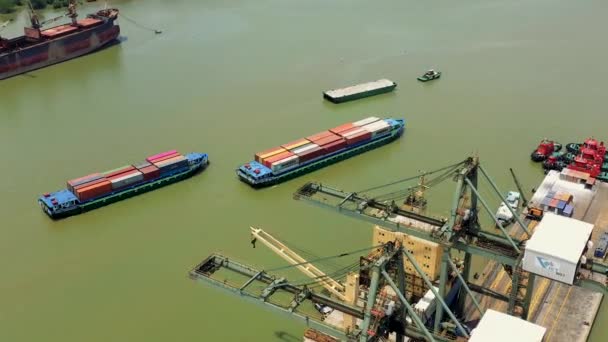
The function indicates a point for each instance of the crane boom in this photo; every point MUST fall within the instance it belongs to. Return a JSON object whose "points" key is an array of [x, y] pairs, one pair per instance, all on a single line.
{"points": [[300, 263], [524, 200]]}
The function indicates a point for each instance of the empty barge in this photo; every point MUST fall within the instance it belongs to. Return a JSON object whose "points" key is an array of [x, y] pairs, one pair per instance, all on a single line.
{"points": [[360, 91]]}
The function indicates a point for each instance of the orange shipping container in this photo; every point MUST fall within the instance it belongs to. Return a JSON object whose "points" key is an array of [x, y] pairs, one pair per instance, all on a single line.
{"points": [[295, 144], [319, 136], [268, 161], [259, 157], [93, 191], [342, 128]]}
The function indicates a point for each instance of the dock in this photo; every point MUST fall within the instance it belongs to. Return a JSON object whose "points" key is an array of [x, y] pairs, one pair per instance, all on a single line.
{"points": [[566, 311], [359, 91]]}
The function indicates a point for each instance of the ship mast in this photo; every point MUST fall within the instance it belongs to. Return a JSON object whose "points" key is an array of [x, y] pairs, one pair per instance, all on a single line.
{"points": [[72, 14], [33, 16]]}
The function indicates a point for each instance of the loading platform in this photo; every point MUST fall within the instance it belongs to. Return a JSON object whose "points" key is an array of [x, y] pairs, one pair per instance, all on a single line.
{"points": [[566, 311], [359, 91]]}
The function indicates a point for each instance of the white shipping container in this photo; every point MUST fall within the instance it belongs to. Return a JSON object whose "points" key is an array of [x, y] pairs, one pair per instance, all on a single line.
{"points": [[284, 163], [127, 180], [353, 132], [169, 161], [377, 126], [496, 326], [366, 121], [555, 248], [304, 148]]}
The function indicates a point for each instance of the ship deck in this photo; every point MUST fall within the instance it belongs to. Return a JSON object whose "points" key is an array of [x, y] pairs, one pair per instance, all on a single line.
{"points": [[566, 311], [359, 89]]}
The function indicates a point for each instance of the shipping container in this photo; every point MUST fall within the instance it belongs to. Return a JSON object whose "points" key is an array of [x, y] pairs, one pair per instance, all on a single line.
{"points": [[366, 121], [127, 180], [304, 148], [568, 210], [160, 155], [357, 138], [169, 161], [150, 172], [260, 156], [554, 203], [75, 182], [141, 165], [174, 166], [555, 248], [89, 184], [341, 128], [284, 163], [167, 157], [354, 130], [378, 128], [93, 191], [268, 161], [310, 154], [496, 326], [319, 136], [295, 144], [119, 171], [332, 147], [561, 205], [328, 140]]}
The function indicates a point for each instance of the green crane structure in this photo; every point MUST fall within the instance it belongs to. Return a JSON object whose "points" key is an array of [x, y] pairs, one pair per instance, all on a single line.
{"points": [[461, 231]]}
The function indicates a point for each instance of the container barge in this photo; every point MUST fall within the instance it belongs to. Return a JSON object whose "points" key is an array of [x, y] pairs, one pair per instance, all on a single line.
{"points": [[100, 189], [39, 48], [302, 156], [360, 91]]}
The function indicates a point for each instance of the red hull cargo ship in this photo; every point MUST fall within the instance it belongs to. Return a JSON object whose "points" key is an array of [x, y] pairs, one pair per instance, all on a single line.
{"points": [[39, 48]]}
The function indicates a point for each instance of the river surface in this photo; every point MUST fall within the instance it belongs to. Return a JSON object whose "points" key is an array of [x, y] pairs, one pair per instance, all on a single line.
{"points": [[230, 78]]}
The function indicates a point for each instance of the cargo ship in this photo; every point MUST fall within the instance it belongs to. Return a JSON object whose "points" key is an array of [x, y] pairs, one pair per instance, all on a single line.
{"points": [[100, 189], [302, 156], [40, 48]]}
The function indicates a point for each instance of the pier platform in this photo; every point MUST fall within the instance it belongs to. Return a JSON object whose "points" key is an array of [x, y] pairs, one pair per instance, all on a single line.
{"points": [[566, 311]]}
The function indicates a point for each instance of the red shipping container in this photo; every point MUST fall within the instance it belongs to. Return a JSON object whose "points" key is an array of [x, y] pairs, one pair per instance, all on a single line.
{"points": [[121, 171], [169, 156], [342, 128], [319, 136], [357, 138], [156, 156], [85, 185], [554, 203], [150, 172], [328, 140], [311, 154], [268, 161], [93, 191], [336, 145]]}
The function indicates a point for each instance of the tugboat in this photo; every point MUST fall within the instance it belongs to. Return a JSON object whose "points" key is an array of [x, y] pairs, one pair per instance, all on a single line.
{"points": [[503, 214], [545, 149], [556, 161], [429, 76]]}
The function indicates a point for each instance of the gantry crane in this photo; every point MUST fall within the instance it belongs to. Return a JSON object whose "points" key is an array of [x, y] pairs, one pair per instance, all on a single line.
{"points": [[461, 231]]}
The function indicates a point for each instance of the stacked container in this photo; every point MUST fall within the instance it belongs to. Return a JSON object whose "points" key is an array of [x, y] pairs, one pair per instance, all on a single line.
{"points": [[558, 202], [91, 191], [260, 156], [165, 163]]}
